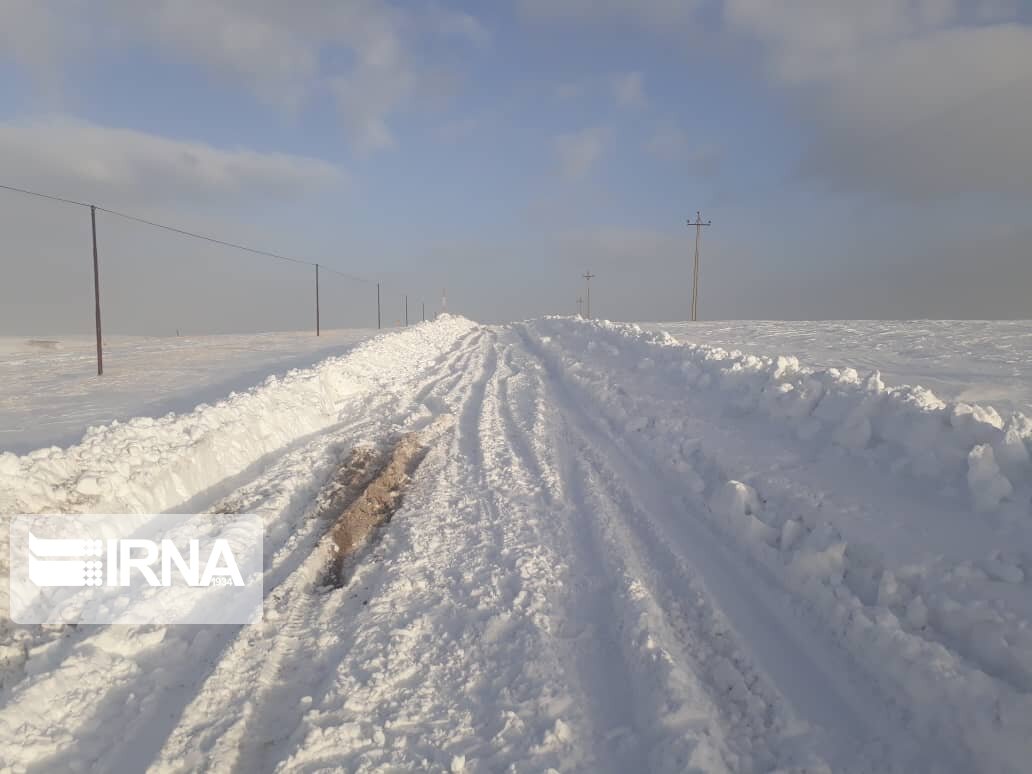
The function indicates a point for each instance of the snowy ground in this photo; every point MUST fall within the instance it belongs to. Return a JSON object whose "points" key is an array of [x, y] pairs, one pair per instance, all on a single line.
{"points": [[50, 392], [976, 361], [621, 553]]}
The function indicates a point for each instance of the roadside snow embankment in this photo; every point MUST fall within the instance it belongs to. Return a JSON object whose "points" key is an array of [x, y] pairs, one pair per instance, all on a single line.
{"points": [[146, 464], [963, 449]]}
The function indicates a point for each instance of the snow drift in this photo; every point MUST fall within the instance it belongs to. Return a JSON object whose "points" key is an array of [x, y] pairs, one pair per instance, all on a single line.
{"points": [[906, 430], [155, 464]]}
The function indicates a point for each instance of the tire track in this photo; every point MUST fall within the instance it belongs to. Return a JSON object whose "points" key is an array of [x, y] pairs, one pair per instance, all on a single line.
{"points": [[590, 658]]}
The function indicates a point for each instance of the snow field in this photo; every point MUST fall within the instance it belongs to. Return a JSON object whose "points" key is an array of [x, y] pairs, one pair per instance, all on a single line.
{"points": [[50, 395], [965, 361]]}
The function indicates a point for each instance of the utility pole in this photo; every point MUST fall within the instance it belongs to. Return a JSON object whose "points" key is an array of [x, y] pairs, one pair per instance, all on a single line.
{"points": [[695, 273], [580, 306], [317, 299], [406, 310], [96, 290], [588, 276], [377, 306], [424, 311]]}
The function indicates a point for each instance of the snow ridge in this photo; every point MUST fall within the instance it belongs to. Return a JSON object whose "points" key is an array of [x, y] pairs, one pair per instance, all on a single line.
{"points": [[907, 430], [152, 464]]}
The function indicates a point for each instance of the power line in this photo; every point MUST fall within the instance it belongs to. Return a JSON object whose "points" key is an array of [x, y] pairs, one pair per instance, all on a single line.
{"points": [[184, 232], [43, 195]]}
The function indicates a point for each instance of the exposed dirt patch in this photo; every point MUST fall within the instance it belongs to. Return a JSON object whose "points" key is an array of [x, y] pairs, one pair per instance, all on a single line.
{"points": [[378, 501], [360, 467]]}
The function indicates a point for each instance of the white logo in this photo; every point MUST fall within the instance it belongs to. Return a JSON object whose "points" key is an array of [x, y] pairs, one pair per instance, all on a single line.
{"points": [[122, 557], [64, 571], [151, 568]]}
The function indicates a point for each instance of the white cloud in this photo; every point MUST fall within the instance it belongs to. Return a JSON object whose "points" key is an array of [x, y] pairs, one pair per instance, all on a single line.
{"points": [[102, 163], [941, 115], [809, 41], [580, 151], [917, 98], [364, 52], [275, 49], [629, 89]]}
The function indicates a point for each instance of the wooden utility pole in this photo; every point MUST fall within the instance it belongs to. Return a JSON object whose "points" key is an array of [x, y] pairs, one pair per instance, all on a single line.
{"points": [[96, 291], [695, 272], [588, 276]]}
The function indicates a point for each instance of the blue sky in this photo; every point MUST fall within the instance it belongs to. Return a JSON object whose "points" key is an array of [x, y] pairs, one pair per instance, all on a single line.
{"points": [[858, 160]]}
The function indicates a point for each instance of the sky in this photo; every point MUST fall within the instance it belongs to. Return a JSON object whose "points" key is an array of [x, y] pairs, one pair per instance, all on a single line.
{"points": [[857, 160]]}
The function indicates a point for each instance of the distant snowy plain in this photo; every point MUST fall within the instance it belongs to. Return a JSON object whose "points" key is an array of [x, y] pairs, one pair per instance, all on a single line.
{"points": [[50, 392], [978, 361], [744, 547]]}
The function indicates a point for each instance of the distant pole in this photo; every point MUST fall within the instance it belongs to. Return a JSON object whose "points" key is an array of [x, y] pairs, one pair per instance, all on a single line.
{"points": [[695, 273], [444, 300], [377, 306], [588, 276], [424, 311], [406, 310], [317, 333], [96, 290], [580, 306]]}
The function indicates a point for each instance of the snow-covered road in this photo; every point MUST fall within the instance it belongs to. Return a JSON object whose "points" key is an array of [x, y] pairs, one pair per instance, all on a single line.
{"points": [[620, 553]]}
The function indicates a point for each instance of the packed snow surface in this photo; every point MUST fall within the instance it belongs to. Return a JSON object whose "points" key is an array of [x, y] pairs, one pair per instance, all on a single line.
{"points": [[622, 552]]}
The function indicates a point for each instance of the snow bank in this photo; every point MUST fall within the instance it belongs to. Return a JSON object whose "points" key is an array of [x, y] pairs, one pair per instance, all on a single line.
{"points": [[50, 395], [974, 361], [147, 465], [906, 430]]}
